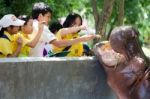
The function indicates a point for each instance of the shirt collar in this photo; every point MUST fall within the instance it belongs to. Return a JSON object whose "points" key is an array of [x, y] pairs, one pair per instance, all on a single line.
{"points": [[8, 35]]}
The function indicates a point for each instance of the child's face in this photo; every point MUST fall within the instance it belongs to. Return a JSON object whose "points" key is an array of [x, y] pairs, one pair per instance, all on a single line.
{"points": [[13, 30], [28, 28], [77, 21], [46, 18]]}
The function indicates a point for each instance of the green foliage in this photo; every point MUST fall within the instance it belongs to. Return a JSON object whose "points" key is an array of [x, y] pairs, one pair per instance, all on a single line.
{"points": [[60, 8], [2, 7], [137, 12]]}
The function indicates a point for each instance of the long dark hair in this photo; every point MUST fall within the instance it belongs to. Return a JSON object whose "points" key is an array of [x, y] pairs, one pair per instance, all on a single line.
{"points": [[2, 31], [71, 19]]}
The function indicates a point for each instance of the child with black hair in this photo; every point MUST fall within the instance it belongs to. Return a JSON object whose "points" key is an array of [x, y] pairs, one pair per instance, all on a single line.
{"points": [[73, 20], [9, 26], [27, 29], [41, 12]]}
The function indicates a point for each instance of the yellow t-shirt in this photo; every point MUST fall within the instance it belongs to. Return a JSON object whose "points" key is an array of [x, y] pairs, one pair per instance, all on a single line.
{"points": [[6, 47], [25, 49], [75, 49]]}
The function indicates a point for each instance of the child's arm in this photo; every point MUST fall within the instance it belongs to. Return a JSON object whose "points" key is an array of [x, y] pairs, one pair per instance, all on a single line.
{"points": [[37, 37], [63, 43], [71, 30], [16, 53]]}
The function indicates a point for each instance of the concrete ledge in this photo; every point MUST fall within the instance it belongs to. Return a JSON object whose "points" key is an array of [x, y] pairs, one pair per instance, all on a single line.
{"points": [[53, 78], [36, 59]]}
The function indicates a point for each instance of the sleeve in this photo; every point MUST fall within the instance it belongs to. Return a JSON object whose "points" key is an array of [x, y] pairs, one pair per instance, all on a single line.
{"points": [[47, 36], [58, 35], [35, 30], [25, 41], [5, 47]]}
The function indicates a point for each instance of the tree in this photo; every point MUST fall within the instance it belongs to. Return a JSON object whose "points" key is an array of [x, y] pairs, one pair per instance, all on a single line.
{"points": [[101, 18], [120, 12], [107, 14]]}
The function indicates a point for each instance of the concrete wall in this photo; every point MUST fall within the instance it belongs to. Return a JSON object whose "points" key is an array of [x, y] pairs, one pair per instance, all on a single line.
{"points": [[53, 78]]}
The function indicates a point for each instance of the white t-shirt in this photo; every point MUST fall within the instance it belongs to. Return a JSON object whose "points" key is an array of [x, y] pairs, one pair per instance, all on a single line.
{"points": [[46, 37]]}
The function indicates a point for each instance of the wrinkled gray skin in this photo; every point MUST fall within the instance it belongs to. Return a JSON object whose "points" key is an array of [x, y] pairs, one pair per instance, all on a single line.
{"points": [[128, 80]]}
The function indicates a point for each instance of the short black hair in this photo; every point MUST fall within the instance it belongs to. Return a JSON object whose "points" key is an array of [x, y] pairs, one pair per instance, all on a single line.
{"points": [[55, 26], [25, 18], [40, 8], [71, 19]]}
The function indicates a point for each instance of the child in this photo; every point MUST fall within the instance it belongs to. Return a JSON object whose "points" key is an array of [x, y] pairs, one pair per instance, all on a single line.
{"points": [[27, 29], [42, 13], [9, 25], [73, 20]]}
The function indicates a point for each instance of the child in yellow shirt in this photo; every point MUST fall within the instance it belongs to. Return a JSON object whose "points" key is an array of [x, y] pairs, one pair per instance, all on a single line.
{"points": [[27, 29], [42, 12], [9, 25], [70, 30]]}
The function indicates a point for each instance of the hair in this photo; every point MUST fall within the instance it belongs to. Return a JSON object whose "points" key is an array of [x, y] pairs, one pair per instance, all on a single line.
{"points": [[55, 26], [25, 18], [71, 19], [40, 8], [2, 31]]}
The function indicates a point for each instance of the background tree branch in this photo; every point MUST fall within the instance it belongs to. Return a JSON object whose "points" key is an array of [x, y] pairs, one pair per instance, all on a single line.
{"points": [[105, 15], [120, 12], [95, 13]]}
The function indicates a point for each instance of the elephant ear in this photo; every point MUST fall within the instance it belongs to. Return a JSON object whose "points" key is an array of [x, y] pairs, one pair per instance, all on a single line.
{"points": [[106, 54]]}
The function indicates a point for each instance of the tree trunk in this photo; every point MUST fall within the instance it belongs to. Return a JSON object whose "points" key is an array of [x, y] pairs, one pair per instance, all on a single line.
{"points": [[95, 13], [105, 15], [120, 12], [101, 18]]}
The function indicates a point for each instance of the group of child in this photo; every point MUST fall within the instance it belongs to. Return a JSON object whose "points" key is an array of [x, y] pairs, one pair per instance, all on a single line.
{"points": [[27, 36]]}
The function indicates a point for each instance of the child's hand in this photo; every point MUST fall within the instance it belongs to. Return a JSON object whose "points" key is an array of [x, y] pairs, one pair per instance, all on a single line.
{"points": [[98, 36], [19, 41], [41, 26], [82, 27]]}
